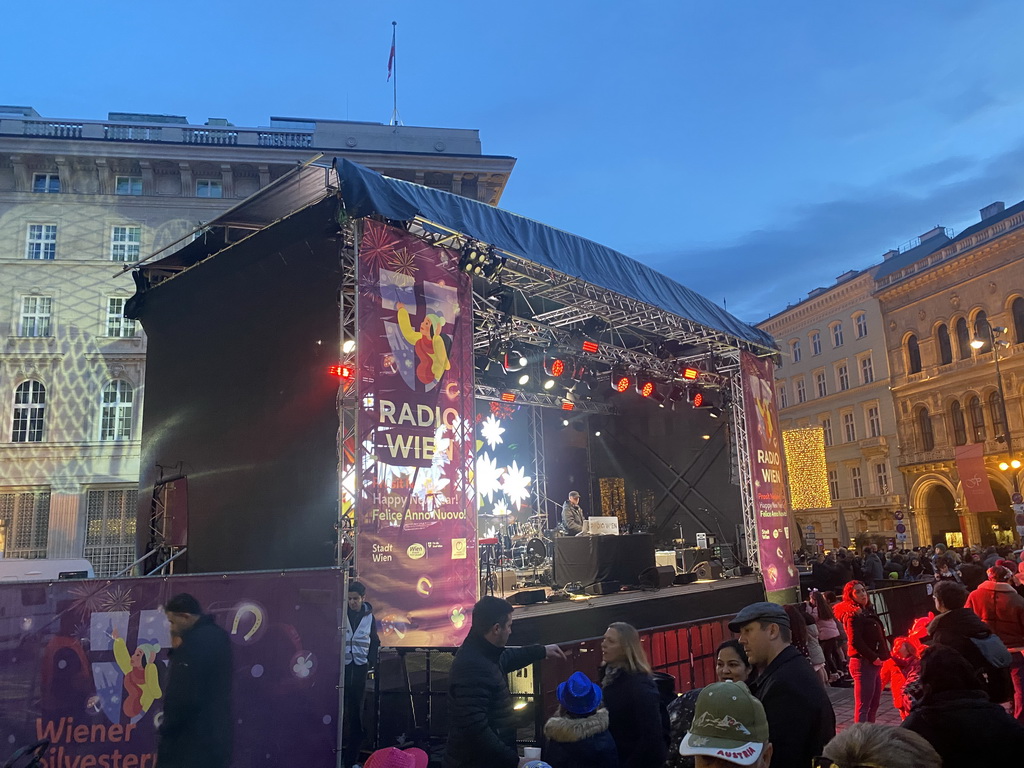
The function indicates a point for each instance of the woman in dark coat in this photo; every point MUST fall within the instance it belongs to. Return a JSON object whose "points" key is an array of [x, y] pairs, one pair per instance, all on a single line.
{"points": [[866, 647], [578, 735], [636, 718]]}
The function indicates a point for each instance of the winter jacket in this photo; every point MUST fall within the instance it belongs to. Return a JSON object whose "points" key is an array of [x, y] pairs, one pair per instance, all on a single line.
{"points": [[967, 729], [580, 742], [827, 628], [864, 631], [814, 652], [196, 731], [872, 569], [480, 714], [1002, 609], [955, 629], [636, 718], [801, 720], [972, 576], [896, 673], [680, 718]]}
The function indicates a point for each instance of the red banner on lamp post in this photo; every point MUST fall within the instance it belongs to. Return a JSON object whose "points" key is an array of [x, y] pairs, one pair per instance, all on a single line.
{"points": [[970, 464]]}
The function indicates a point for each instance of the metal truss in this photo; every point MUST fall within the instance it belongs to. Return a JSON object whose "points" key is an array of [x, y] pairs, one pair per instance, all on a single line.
{"points": [[540, 479], [541, 399], [743, 470], [347, 400]]}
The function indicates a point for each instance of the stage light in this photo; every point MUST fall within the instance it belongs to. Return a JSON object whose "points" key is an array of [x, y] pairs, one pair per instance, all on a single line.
{"points": [[348, 346], [549, 383], [645, 386], [620, 380], [568, 405], [524, 379], [694, 396], [690, 374], [343, 372], [565, 422], [597, 433], [555, 366], [715, 412], [590, 347], [508, 397], [705, 437], [513, 360]]}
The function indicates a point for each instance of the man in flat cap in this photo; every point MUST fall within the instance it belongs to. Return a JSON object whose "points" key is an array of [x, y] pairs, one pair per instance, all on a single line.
{"points": [[800, 716]]}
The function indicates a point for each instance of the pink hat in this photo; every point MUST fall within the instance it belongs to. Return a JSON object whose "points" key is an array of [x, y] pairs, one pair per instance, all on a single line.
{"points": [[393, 757]]}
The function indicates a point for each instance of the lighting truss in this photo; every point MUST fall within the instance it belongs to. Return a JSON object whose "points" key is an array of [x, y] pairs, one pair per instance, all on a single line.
{"points": [[541, 399]]}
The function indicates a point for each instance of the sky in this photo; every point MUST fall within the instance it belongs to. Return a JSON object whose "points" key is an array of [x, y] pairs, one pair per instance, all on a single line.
{"points": [[751, 150]]}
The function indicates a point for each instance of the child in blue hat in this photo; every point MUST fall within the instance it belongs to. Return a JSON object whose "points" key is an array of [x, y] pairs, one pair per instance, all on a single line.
{"points": [[578, 734]]}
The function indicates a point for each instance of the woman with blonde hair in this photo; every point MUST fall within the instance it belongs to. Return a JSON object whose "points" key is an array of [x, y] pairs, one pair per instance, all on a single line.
{"points": [[883, 746], [636, 718]]}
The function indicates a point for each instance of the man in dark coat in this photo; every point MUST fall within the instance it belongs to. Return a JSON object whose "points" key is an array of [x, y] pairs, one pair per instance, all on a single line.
{"points": [[954, 625], [800, 715], [196, 731], [572, 515], [481, 718]]}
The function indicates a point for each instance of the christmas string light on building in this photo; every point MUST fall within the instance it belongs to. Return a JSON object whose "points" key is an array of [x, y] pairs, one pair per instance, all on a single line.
{"points": [[806, 469]]}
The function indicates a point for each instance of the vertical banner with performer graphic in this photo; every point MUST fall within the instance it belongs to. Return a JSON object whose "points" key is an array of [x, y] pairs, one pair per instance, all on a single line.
{"points": [[767, 465], [415, 503]]}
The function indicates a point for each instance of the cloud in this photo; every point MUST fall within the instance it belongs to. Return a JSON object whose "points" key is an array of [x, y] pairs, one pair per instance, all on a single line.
{"points": [[765, 270]]}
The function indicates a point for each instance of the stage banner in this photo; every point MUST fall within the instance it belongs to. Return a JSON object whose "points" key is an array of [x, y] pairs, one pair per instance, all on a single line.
{"points": [[85, 665], [970, 464], [416, 550], [775, 533]]}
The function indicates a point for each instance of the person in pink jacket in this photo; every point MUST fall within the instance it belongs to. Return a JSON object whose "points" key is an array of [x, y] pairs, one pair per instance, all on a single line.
{"points": [[997, 604]]}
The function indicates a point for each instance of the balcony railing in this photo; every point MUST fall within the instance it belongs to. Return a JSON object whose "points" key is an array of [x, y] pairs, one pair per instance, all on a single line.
{"points": [[285, 139], [132, 133], [210, 136], [53, 130]]}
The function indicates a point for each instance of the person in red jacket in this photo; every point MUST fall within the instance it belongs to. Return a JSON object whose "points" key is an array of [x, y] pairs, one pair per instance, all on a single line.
{"points": [[867, 648], [997, 604], [904, 666]]}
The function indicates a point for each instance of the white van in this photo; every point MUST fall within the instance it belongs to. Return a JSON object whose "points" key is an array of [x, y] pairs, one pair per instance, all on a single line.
{"points": [[18, 569]]}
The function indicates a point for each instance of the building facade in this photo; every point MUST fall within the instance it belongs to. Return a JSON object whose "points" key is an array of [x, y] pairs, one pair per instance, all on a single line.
{"points": [[81, 201], [950, 392]]}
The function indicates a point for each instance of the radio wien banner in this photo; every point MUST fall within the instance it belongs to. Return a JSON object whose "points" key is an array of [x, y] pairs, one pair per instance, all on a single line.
{"points": [[417, 547], [774, 532]]}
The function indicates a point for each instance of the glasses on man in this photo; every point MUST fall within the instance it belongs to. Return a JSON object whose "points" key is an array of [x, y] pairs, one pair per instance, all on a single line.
{"points": [[827, 762]]}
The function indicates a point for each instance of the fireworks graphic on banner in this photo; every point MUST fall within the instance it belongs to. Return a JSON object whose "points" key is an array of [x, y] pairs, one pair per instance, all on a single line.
{"points": [[376, 245], [403, 262]]}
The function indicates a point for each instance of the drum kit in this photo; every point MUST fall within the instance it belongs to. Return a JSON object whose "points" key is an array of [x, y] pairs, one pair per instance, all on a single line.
{"points": [[520, 546]]}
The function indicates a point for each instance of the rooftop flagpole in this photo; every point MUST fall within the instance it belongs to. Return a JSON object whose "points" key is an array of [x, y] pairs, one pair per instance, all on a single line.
{"points": [[393, 70]]}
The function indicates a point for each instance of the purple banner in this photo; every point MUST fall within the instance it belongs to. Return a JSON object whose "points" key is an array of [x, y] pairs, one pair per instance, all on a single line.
{"points": [[84, 664], [764, 438], [415, 511]]}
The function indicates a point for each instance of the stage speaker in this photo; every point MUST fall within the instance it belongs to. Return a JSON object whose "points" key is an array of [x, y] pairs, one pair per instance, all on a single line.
{"points": [[685, 578], [604, 588], [527, 597], [691, 556], [175, 500], [708, 570], [657, 577], [740, 570], [504, 581]]}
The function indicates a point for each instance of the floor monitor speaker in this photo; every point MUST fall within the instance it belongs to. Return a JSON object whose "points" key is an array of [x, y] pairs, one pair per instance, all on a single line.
{"points": [[604, 588], [685, 578], [527, 597], [708, 570], [657, 577]]}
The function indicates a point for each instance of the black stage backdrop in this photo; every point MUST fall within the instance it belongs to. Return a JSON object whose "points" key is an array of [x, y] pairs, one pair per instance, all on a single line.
{"points": [[238, 391]]}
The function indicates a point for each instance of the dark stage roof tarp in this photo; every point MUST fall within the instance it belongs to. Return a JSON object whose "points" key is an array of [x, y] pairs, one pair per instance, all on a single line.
{"points": [[367, 192]]}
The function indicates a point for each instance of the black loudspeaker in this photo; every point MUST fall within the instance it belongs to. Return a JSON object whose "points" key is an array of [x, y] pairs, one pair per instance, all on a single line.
{"points": [[528, 597], [685, 578], [604, 588], [687, 559], [657, 577], [708, 570]]}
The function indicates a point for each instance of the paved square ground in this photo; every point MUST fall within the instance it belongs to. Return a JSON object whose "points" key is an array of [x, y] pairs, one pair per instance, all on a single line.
{"points": [[842, 703]]}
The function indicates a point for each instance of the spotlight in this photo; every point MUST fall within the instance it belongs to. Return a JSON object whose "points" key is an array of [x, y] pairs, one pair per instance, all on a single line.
{"points": [[565, 422], [568, 405], [590, 347], [348, 346], [549, 383], [645, 386], [481, 262], [556, 366], [524, 379], [513, 360], [694, 396], [715, 412], [689, 374], [597, 433], [620, 380]]}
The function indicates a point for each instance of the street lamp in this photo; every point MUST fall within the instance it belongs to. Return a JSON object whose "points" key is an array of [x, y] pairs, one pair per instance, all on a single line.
{"points": [[977, 343]]}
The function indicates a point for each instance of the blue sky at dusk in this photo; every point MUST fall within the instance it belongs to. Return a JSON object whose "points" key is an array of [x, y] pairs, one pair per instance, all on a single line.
{"points": [[752, 150]]}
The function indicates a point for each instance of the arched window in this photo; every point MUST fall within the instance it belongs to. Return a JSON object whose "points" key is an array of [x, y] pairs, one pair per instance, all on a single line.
{"points": [[995, 409], [945, 347], [116, 411], [977, 419], [913, 355], [925, 436], [956, 415], [963, 339], [29, 412], [983, 332], [794, 347], [1017, 310]]}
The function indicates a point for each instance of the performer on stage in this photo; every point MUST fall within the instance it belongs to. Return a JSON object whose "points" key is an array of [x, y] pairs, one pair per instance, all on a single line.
{"points": [[572, 515]]}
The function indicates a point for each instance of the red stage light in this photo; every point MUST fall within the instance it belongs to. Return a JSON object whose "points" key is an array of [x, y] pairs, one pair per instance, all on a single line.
{"points": [[554, 366], [698, 399], [690, 374], [345, 372], [647, 389], [590, 347], [508, 397], [567, 406]]}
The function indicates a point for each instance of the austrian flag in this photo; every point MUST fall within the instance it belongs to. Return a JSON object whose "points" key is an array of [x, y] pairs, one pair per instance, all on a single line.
{"points": [[391, 57]]}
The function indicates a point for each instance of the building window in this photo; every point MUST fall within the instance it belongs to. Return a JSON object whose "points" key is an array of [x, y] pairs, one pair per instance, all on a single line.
{"points": [[29, 412], [1017, 309], [820, 384], [41, 243], [882, 478], [25, 516], [116, 411], [856, 482], [867, 370], [801, 390], [849, 427], [833, 483], [874, 422], [110, 530], [843, 376], [46, 183], [995, 408], [862, 325], [36, 316], [956, 415], [963, 339], [837, 335], [983, 332], [794, 348], [925, 435], [913, 355], [125, 243], [977, 419], [209, 188], [815, 343], [826, 426], [128, 185], [783, 395], [118, 325], [945, 346]]}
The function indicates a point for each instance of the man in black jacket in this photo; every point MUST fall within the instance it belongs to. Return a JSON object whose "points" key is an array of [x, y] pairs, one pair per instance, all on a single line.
{"points": [[481, 719], [196, 730], [800, 715]]}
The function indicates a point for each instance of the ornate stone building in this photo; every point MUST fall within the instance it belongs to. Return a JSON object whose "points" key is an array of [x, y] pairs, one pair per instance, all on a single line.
{"points": [[80, 201], [947, 391]]}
